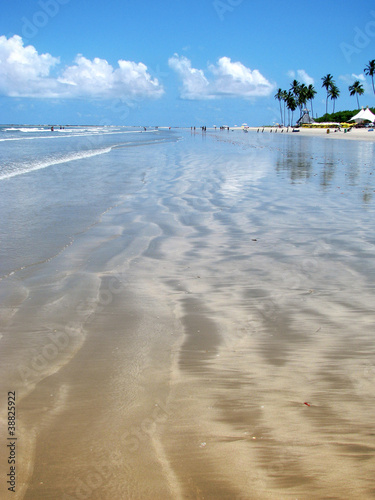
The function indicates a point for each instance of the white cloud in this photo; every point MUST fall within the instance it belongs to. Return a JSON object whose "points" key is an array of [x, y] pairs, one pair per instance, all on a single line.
{"points": [[349, 79], [235, 79], [88, 77], [194, 83], [304, 77], [230, 79], [98, 78], [360, 77], [25, 73], [301, 75]]}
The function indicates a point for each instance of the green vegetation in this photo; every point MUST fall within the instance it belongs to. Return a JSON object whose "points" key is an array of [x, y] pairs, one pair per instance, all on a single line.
{"points": [[296, 97], [328, 83], [340, 116], [333, 93], [299, 94]]}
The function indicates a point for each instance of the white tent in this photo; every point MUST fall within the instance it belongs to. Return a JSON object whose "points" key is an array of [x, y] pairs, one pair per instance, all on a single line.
{"points": [[364, 114]]}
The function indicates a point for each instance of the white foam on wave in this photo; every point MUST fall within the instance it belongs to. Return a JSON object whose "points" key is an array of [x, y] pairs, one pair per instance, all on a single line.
{"points": [[73, 133], [26, 129], [56, 129], [52, 136], [55, 161]]}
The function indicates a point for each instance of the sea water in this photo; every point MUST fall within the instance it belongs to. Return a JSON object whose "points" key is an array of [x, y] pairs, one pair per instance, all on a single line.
{"points": [[226, 279], [53, 184]]}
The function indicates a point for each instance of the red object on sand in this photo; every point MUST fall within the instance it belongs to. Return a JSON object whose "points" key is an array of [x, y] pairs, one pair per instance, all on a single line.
{"points": [[307, 404]]}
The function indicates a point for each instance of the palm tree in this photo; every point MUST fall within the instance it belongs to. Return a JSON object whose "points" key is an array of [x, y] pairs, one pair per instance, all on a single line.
{"points": [[327, 84], [370, 71], [291, 104], [356, 89], [302, 97], [284, 98], [334, 93], [288, 96], [311, 93], [298, 91], [294, 87], [279, 97]]}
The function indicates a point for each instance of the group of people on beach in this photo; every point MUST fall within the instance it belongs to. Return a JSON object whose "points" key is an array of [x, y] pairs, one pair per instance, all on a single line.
{"points": [[204, 128]]}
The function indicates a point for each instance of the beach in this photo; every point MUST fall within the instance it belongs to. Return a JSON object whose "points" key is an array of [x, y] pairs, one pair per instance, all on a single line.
{"points": [[189, 315], [359, 134]]}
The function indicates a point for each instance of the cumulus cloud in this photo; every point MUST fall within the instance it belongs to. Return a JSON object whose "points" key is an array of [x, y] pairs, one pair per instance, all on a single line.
{"points": [[25, 73], [97, 78], [229, 79], [234, 79], [194, 83], [302, 75]]}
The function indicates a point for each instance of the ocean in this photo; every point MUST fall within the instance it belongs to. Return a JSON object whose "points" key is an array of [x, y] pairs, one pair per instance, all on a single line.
{"points": [[186, 314], [78, 184]]}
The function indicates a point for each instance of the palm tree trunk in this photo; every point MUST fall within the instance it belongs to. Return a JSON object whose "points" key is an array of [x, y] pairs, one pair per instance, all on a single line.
{"points": [[357, 101], [373, 88], [281, 112]]}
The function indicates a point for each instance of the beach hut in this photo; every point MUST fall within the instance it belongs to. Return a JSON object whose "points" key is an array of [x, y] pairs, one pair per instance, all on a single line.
{"points": [[364, 115], [305, 118]]}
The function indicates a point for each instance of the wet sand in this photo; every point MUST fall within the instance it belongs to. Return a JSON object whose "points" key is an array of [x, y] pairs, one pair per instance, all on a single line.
{"points": [[170, 350], [358, 134]]}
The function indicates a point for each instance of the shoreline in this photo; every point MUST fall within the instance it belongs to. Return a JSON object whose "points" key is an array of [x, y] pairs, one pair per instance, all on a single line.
{"points": [[334, 133], [354, 134]]}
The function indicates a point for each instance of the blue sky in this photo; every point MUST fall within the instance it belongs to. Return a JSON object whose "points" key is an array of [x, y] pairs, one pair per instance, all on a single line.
{"points": [[177, 63]]}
